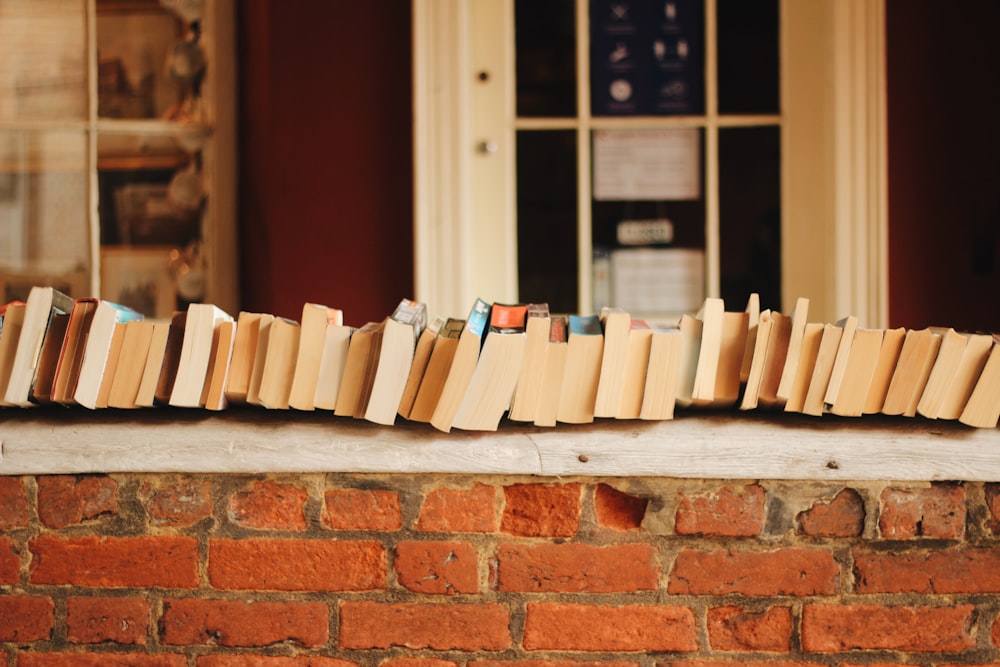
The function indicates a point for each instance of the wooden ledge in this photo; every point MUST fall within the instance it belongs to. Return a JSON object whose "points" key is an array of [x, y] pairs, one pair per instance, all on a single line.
{"points": [[711, 445]]}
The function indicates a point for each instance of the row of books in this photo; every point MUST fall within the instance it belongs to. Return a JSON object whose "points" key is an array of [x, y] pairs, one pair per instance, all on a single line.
{"points": [[518, 362]]}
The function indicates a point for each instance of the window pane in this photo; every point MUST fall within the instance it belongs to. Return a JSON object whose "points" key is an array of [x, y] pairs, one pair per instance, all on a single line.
{"points": [[43, 64], [547, 218], [545, 35], [647, 58], [43, 222], [748, 56], [750, 215]]}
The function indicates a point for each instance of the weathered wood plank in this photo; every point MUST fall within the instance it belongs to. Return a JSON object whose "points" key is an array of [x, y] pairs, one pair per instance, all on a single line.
{"points": [[698, 445]]}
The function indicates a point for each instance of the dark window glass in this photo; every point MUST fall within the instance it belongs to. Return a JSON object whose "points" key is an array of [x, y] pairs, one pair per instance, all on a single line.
{"points": [[545, 40], [748, 56], [750, 215], [547, 218]]}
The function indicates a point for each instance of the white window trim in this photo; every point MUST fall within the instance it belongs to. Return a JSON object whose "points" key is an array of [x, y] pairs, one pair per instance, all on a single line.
{"points": [[834, 212]]}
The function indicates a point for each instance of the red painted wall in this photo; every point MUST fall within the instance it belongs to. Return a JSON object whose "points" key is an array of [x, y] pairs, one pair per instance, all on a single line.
{"points": [[944, 174], [326, 197]]}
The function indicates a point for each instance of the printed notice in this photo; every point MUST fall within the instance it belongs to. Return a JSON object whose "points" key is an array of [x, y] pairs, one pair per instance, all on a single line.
{"points": [[631, 165]]}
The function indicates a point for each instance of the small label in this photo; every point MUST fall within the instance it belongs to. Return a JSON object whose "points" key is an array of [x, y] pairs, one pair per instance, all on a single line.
{"points": [[645, 232]]}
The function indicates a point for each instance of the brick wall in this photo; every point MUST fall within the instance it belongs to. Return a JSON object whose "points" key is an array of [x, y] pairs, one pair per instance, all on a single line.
{"points": [[438, 571]]}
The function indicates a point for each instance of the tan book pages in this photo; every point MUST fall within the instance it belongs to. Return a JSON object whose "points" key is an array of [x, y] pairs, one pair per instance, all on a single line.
{"points": [[812, 337], [132, 362], [582, 373], [774, 363], [526, 395], [983, 407], [858, 373], [640, 339], [153, 365], [690, 328], [463, 365], [553, 372], [918, 350], [942, 373], [829, 345], [312, 338], [957, 393], [244, 349], [259, 357], [849, 324], [421, 356], [706, 370], [751, 388], [732, 347], [888, 356], [436, 374], [615, 324], [659, 396], [753, 319], [111, 366], [799, 320], [336, 345]]}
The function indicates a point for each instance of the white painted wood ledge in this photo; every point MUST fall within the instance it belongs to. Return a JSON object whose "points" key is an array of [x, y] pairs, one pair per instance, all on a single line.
{"points": [[711, 445]]}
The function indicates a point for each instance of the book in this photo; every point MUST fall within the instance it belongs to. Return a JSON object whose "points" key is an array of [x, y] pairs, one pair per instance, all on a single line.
{"points": [[41, 305], [774, 361], [436, 373], [12, 321], [888, 356], [171, 358], [111, 366], [615, 324], [399, 342], [316, 319], [136, 339], [707, 365], [553, 371], [982, 410], [279, 364], [97, 349], [798, 321], [732, 349], [359, 370], [659, 396], [812, 338], [814, 403], [491, 388], [145, 396], [970, 366], [67, 371], [463, 365], [263, 324], [751, 388], [242, 362], [421, 357], [196, 350], [640, 338], [582, 372], [336, 343], [916, 358], [849, 325], [214, 393], [946, 364], [859, 370], [536, 333], [690, 328], [753, 319], [48, 358]]}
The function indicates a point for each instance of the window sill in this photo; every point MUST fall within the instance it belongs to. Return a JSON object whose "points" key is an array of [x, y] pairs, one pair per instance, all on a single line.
{"points": [[713, 445]]}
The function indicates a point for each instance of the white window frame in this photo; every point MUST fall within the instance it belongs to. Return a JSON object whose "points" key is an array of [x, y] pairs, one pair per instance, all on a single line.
{"points": [[833, 162]]}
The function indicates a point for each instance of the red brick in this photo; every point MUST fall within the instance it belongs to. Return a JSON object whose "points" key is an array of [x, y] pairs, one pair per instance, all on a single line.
{"points": [[192, 621], [541, 510], [440, 568], [246, 660], [790, 571], [736, 663], [177, 504], [296, 565], [65, 500], [618, 510], [967, 570], [991, 492], [13, 503], [582, 627], [26, 618], [550, 663], [726, 512], [828, 628], [417, 662], [10, 562], [936, 512], [153, 560], [844, 516], [362, 509], [441, 627], [93, 620], [576, 568], [738, 629], [270, 506], [100, 660], [459, 510]]}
